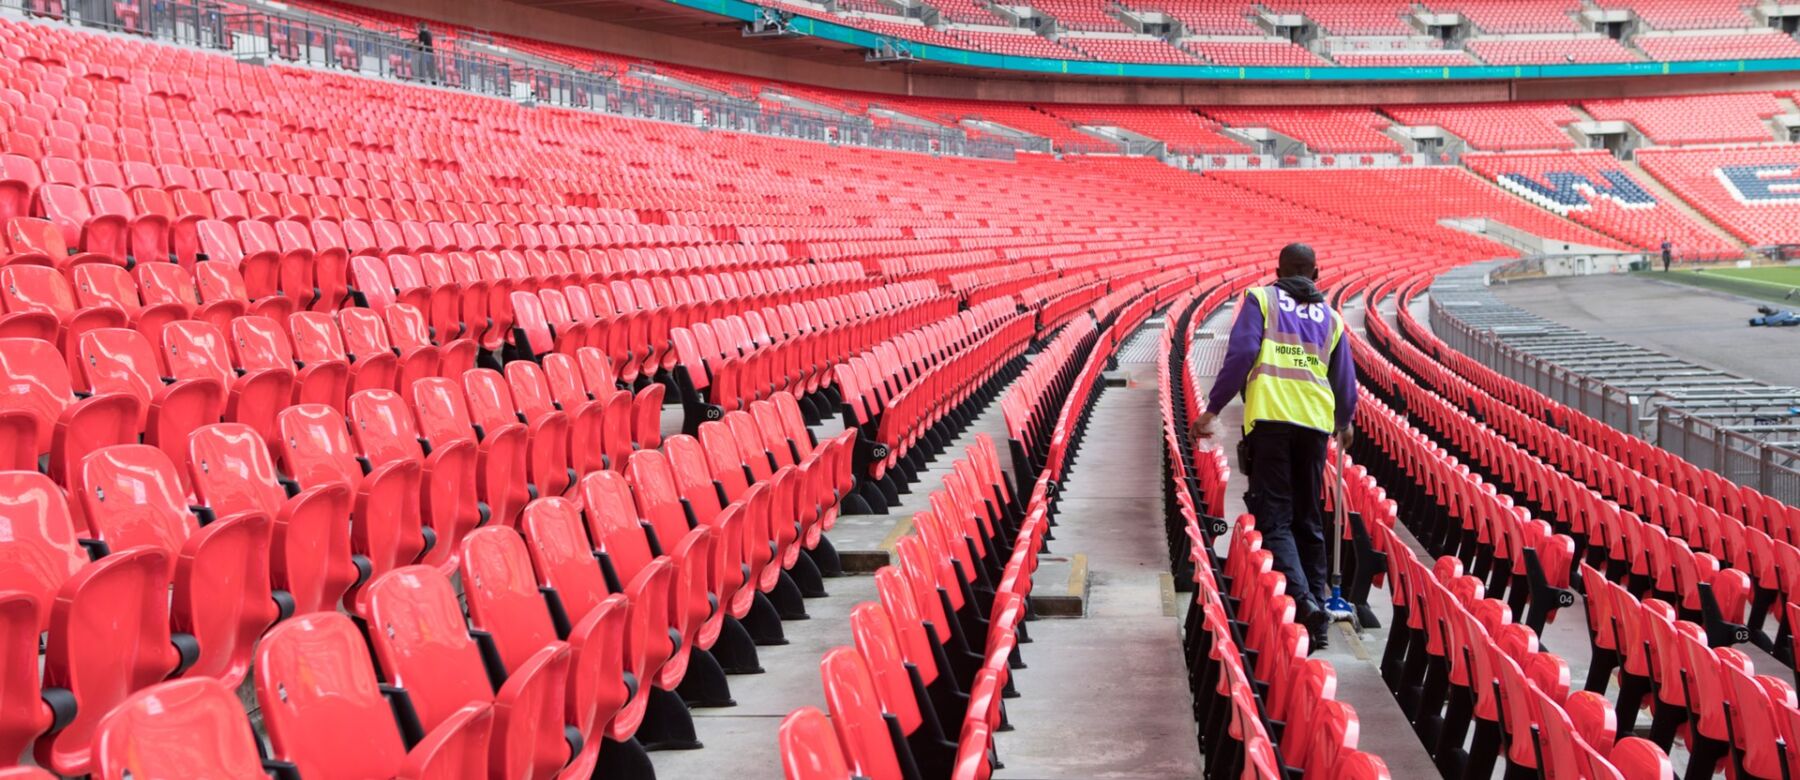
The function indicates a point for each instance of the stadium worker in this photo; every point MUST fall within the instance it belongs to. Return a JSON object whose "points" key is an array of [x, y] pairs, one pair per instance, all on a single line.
{"points": [[1289, 357]]}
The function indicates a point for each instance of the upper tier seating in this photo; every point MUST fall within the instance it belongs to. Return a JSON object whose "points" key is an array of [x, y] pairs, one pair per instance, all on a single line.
{"points": [[1019, 44], [1765, 44], [1503, 17], [1015, 116], [1694, 119], [1496, 126], [1321, 129], [966, 12], [867, 6], [1182, 129], [1274, 53], [1508, 51], [1686, 14], [1418, 59], [1131, 50], [1750, 192], [1352, 17], [1081, 15], [1591, 188], [1205, 17]]}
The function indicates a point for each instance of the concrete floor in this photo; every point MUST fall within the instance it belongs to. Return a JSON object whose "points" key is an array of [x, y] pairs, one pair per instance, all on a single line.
{"points": [[1702, 326], [1105, 696]]}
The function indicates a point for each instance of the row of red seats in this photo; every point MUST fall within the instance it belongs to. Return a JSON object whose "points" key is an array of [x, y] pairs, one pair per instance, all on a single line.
{"points": [[1672, 650], [950, 611], [1474, 682], [731, 361], [1644, 518], [1730, 710], [956, 604], [1734, 188], [1247, 658], [319, 555], [895, 394], [1695, 119]]}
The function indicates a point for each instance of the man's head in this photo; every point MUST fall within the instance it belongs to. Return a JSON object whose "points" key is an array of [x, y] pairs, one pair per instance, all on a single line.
{"points": [[1297, 260]]}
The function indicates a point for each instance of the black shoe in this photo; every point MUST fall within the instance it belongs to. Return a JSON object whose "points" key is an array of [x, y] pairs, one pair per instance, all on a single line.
{"points": [[1318, 627]]}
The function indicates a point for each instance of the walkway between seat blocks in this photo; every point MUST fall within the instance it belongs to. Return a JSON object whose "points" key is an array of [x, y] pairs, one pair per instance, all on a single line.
{"points": [[740, 742], [1104, 696], [1356, 656]]}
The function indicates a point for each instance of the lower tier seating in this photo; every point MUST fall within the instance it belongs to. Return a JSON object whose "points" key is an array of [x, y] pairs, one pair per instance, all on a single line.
{"points": [[1745, 191], [1591, 188]]}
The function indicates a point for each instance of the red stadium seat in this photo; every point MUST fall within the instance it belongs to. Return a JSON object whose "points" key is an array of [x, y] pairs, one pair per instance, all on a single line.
{"points": [[184, 728], [317, 688]]}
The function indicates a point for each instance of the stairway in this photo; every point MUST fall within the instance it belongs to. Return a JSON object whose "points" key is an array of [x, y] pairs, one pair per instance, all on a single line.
{"points": [[1666, 195]]}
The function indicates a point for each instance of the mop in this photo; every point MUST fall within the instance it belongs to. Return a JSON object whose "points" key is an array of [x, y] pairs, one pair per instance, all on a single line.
{"points": [[1337, 607]]}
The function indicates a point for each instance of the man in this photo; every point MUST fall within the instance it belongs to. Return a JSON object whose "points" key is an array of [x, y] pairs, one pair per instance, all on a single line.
{"points": [[427, 55], [1289, 357], [1668, 250]]}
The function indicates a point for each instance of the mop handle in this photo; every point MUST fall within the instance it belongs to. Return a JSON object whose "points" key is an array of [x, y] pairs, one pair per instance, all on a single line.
{"points": [[1337, 515]]}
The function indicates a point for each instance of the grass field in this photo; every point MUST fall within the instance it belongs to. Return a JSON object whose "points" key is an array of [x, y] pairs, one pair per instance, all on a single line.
{"points": [[1769, 283]]}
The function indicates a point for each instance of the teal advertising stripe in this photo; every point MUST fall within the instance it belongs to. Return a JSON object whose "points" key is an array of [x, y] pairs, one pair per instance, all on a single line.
{"points": [[832, 31]]}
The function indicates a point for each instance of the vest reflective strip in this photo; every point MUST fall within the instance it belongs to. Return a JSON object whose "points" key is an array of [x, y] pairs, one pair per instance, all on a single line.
{"points": [[1280, 392]]}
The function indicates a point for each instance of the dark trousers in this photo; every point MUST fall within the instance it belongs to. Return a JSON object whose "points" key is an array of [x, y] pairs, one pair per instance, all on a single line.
{"points": [[1286, 472]]}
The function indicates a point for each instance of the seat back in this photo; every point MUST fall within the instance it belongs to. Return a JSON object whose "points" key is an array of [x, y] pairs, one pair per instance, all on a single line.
{"points": [[614, 524], [856, 715], [318, 691], [658, 496], [880, 650], [809, 748], [41, 547], [501, 589], [185, 728], [422, 642]]}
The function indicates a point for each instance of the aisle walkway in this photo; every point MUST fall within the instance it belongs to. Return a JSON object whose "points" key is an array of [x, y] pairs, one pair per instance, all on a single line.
{"points": [[1355, 656], [1105, 695], [741, 741]]}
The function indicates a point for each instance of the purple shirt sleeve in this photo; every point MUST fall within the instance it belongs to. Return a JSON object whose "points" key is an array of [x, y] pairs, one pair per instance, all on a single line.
{"points": [[1240, 355], [1342, 373]]}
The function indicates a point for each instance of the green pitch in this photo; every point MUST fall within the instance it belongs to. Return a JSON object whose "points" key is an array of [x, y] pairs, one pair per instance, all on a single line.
{"points": [[1769, 283]]}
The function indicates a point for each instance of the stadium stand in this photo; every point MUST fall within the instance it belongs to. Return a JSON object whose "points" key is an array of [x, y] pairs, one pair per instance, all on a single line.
{"points": [[1081, 15], [1747, 191], [1513, 51], [1020, 43], [1321, 129], [1205, 17], [1431, 195], [1182, 129], [1590, 187], [495, 439], [1253, 53], [1509, 17], [1356, 17], [1766, 44], [1495, 127], [1129, 50], [1685, 14], [1694, 119], [966, 12]]}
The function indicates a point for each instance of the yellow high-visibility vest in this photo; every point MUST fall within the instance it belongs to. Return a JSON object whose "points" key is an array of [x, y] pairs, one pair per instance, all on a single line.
{"points": [[1290, 381]]}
